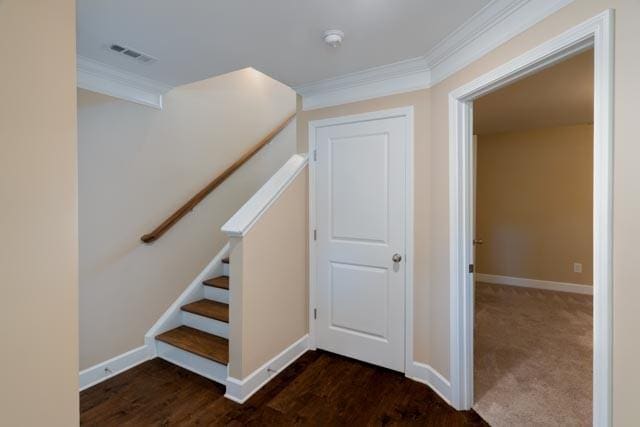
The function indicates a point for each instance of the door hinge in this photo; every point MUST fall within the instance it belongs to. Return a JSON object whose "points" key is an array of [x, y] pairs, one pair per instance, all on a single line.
{"points": [[315, 313], [315, 155], [315, 234], [470, 268]]}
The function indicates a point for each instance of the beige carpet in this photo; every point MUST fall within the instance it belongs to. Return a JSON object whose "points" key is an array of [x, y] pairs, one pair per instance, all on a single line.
{"points": [[533, 356]]}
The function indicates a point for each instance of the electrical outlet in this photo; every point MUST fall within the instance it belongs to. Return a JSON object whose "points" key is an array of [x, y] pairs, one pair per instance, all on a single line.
{"points": [[577, 267]]}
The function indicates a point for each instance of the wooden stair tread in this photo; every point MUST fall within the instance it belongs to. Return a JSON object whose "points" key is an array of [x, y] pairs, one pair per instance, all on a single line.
{"points": [[225, 260], [221, 282], [197, 342], [209, 308]]}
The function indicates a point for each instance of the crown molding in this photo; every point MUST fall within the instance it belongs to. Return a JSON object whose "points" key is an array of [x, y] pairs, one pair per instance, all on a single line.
{"points": [[403, 76], [490, 27], [464, 36], [102, 78]]}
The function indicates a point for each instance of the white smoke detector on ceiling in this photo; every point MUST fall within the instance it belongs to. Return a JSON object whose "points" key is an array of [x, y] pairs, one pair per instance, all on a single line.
{"points": [[333, 37]]}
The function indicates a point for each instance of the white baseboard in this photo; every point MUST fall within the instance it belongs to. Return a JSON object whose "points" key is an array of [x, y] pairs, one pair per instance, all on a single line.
{"points": [[425, 374], [534, 283], [116, 365], [241, 390]]}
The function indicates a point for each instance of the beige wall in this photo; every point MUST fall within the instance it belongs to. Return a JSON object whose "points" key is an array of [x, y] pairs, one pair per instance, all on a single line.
{"points": [[269, 303], [137, 165], [432, 191], [535, 204], [38, 223]]}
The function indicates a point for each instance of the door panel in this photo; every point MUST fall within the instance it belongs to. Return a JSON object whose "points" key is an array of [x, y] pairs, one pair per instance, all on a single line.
{"points": [[360, 216], [359, 202], [359, 299]]}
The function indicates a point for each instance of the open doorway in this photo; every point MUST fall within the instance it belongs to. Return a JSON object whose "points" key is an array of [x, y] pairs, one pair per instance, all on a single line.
{"points": [[533, 321], [595, 33]]}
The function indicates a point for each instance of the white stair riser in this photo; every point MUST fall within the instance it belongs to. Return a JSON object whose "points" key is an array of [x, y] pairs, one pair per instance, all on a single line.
{"points": [[201, 366], [205, 324], [216, 294], [225, 269]]}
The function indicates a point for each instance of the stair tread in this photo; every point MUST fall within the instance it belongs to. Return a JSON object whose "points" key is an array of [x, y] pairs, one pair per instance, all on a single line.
{"points": [[221, 282], [209, 308], [225, 260], [197, 342]]}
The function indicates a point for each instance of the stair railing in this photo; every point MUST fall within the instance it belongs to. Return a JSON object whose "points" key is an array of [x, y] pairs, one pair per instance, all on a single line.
{"points": [[188, 206]]}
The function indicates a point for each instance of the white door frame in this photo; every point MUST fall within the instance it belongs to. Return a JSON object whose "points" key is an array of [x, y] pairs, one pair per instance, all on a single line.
{"points": [[596, 32], [407, 113]]}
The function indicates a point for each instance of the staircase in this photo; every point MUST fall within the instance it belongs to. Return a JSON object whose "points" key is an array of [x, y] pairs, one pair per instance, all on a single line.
{"points": [[201, 342], [194, 332]]}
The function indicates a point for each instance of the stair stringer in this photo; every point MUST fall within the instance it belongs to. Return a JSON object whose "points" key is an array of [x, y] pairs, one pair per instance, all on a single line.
{"points": [[172, 317]]}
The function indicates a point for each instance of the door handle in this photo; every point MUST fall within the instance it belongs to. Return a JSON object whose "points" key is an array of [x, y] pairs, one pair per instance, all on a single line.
{"points": [[478, 241], [396, 258]]}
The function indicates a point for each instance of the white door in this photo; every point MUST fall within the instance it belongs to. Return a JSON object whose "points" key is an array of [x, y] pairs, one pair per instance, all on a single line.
{"points": [[360, 222]]}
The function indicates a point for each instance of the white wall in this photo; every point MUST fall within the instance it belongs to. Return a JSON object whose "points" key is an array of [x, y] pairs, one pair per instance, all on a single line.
{"points": [[136, 166]]}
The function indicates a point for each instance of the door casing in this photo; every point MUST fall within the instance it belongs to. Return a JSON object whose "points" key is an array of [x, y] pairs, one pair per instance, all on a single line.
{"points": [[596, 32], [407, 114]]}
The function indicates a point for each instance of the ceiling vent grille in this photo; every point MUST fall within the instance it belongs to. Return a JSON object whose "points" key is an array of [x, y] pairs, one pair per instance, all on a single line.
{"points": [[132, 53]]}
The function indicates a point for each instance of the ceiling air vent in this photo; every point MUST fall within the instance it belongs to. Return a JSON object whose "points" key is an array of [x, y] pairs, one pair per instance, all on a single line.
{"points": [[132, 53]]}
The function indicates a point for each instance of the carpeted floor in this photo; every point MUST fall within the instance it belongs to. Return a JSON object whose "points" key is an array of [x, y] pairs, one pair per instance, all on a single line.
{"points": [[532, 356]]}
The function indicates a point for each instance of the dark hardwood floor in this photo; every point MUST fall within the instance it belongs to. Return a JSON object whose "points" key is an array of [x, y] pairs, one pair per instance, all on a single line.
{"points": [[320, 389]]}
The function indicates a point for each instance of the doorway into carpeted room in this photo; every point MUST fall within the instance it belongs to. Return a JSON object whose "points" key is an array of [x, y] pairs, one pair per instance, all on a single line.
{"points": [[533, 322]]}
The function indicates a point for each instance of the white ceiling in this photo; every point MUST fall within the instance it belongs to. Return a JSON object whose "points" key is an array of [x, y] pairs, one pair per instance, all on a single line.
{"points": [[560, 95], [197, 39]]}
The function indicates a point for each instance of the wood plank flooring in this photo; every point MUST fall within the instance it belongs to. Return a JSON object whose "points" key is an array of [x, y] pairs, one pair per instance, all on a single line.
{"points": [[320, 389]]}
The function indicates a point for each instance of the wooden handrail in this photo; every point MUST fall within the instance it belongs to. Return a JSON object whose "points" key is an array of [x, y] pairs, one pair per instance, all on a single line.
{"points": [[188, 207]]}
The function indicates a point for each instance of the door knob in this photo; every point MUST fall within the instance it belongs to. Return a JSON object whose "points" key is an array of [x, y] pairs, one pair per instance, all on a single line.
{"points": [[478, 241], [396, 258]]}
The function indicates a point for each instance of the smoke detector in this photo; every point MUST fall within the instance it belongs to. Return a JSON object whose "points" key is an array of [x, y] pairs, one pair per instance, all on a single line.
{"points": [[333, 37]]}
